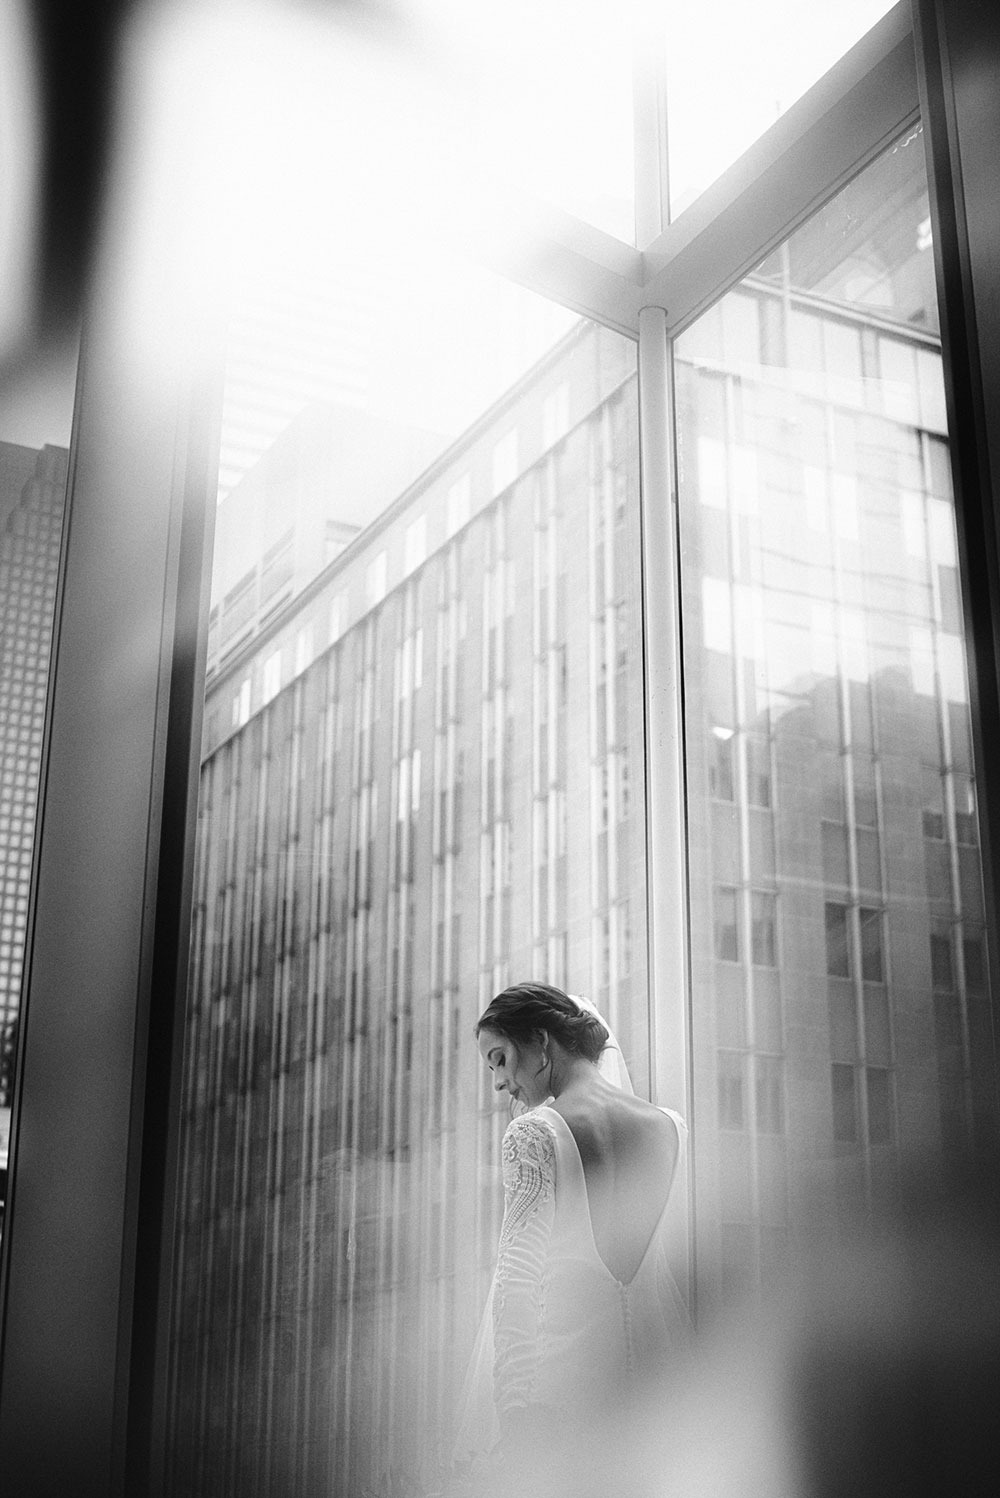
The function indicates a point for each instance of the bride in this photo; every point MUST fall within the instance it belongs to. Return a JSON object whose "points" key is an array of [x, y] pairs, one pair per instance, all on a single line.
{"points": [[583, 1313]]}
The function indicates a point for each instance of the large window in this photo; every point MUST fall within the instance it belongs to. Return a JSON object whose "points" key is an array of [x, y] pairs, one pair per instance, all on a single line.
{"points": [[825, 661], [422, 779], [423, 776]]}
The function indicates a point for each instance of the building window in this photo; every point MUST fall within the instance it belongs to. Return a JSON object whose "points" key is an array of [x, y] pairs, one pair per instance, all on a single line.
{"points": [[872, 970], [763, 924], [727, 946], [415, 546], [272, 676], [376, 579], [933, 812], [975, 964], [942, 967], [458, 505], [965, 810], [241, 705], [770, 1094], [845, 1106], [555, 415], [722, 764], [879, 1106], [732, 1089], [303, 649], [838, 960], [758, 771], [505, 462]]}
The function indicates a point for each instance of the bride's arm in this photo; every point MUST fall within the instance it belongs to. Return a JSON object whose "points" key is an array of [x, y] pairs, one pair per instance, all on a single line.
{"points": [[529, 1205]]}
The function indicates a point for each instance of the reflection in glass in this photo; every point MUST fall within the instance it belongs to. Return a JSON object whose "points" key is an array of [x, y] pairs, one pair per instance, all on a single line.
{"points": [[823, 624], [35, 416], [421, 780]]}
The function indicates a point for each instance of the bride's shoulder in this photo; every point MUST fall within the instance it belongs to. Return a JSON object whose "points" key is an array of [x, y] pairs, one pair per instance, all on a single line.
{"points": [[532, 1124]]}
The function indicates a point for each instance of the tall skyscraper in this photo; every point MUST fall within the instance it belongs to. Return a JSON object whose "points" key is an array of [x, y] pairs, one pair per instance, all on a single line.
{"points": [[32, 499]]}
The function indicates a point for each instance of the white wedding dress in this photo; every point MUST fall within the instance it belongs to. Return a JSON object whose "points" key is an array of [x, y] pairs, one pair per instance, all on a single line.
{"points": [[559, 1330]]}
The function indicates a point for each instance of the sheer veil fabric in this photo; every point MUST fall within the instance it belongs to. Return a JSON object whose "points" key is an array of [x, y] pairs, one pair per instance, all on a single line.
{"points": [[540, 1348]]}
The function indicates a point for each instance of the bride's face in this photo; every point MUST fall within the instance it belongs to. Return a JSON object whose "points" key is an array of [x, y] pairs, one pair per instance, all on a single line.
{"points": [[517, 1070]]}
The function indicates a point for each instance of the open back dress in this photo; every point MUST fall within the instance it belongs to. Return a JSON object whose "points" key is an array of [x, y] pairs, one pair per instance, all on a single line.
{"points": [[560, 1330]]}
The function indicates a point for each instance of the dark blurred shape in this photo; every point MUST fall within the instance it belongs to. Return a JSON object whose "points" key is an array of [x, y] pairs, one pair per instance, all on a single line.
{"points": [[78, 53], [77, 56], [895, 1371]]}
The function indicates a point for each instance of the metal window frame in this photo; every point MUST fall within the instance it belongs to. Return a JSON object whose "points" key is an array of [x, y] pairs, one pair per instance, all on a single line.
{"points": [[86, 1253], [823, 140]]}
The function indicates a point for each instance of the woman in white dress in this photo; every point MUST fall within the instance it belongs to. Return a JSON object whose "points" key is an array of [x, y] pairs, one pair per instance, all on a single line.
{"points": [[584, 1315]]}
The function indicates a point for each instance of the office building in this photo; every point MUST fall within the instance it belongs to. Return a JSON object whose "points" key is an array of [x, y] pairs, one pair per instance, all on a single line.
{"points": [[32, 498]]}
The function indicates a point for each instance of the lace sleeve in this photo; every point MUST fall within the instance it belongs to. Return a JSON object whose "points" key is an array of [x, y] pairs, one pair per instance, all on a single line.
{"points": [[529, 1169]]}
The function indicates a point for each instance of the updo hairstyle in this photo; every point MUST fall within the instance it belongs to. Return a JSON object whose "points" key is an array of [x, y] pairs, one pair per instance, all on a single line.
{"points": [[521, 1011]]}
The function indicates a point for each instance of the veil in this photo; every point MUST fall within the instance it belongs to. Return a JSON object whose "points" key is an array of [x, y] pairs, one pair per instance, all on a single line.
{"points": [[611, 1062], [478, 1430]]}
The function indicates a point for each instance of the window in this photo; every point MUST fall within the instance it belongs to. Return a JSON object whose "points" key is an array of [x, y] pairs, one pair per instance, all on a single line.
{"points": [[241, 705], [303, 649], [763, 906], [845, 1107], [965, 810], [879, 1106], [770, 1094], [457, 512], [812, 625], [727, 946], [376, 579], [871, 945], [504, 461], [416, 544], [721, 770], [758, 771], [732, 1069], [272, 676], [555, 415], [838, 959], [942, 968], [933, 814], [820, 624]]}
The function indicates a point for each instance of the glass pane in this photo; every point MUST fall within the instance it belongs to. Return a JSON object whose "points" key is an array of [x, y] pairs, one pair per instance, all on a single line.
{"points": [[422, 779], [813, 605], [36, 410], [541, 98], [761, 59]]}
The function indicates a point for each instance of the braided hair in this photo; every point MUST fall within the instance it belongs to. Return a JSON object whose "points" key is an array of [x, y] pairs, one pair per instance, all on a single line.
{"points": [[521, 1011]]}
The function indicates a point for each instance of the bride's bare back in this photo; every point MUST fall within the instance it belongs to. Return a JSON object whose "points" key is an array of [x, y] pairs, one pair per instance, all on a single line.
{"points": [[629, 1153]]}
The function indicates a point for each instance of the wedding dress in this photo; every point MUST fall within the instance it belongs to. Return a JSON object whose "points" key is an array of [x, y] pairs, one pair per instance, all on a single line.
{"points": [[560, 1330]]}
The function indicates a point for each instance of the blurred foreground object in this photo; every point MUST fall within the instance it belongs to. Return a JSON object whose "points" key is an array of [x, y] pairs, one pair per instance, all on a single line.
{"points": [[896, 1365], [61, 118], [875, 1374]]}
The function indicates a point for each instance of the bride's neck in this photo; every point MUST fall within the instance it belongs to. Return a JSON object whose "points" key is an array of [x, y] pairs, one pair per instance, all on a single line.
{"points": [[572, 1072]]}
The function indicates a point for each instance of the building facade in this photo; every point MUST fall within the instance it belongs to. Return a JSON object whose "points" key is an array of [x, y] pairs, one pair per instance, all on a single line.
{"points": [[32, 502]]}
